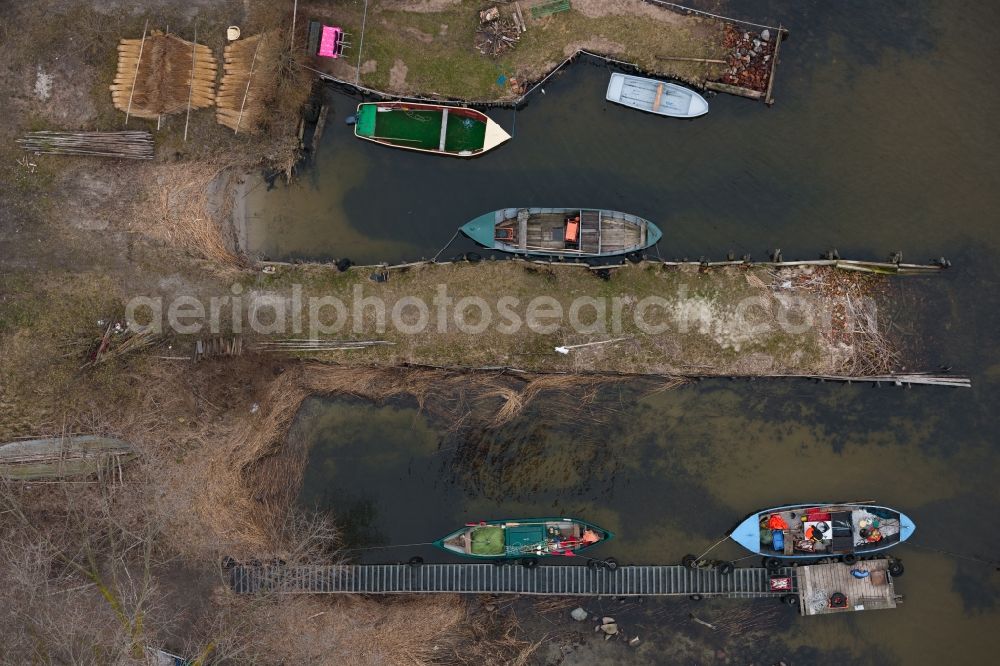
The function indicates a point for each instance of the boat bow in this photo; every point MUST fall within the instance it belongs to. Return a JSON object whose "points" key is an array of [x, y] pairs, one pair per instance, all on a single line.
{"points": [[906, 527], [747, 534], [482, 229], [495, 135]]}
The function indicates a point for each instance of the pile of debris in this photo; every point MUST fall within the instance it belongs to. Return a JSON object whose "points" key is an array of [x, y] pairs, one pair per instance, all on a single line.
{"points": [[498, 34], [749, 57]]}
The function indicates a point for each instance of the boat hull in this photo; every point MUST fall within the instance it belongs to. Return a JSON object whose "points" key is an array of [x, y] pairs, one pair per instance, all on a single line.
{"points": [[428, 128], [893, 527], [544, 232], [658, 97], [523, 538]]}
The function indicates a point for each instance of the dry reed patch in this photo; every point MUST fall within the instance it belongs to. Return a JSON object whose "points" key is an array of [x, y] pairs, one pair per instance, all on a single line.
{"points": [[162, 74], [252, 476], [400, 631], [176, 210]]}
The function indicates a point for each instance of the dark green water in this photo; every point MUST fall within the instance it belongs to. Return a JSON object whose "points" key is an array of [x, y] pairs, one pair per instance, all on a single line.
{"points": [[882, 138]]}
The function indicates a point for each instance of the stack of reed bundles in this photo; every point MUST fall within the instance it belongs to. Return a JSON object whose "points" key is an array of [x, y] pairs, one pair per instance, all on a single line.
{"points": [[246, 84], [162, 82], [130, 145]]}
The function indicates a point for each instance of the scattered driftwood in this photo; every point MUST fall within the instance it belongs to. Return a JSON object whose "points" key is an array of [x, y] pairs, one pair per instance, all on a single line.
{"points": [[128, 145], [119, 340], [702, 622], [497, 34], [488, 15], [519, 17], [162, 74]]}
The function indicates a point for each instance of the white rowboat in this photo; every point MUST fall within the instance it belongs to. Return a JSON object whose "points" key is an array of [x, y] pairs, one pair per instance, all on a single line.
{"points": [[659, 97]]}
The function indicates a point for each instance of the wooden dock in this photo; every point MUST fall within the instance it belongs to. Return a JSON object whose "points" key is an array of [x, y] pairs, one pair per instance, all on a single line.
{"points": [[819, 583], [488, 578], [818, 589]]}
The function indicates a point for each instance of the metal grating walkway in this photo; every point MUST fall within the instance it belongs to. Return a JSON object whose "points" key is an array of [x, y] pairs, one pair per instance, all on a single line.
{"points": [[512, 579]]}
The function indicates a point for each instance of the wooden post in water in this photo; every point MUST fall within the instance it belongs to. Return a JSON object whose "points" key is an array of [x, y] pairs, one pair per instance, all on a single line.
{"points": [[768, 99]]}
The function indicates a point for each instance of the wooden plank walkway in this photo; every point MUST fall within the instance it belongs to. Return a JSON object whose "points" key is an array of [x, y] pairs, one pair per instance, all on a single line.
{"points": [[820, 581], [556, 580]]}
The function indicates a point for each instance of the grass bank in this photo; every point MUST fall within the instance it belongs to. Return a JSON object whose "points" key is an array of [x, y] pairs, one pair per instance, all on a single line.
{"points": [[668, 321], [427, 48]]}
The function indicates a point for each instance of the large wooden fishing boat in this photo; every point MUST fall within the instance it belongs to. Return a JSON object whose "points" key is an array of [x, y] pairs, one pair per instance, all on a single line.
{"points": [[562, 232], [802, 531], [659, 97], [428, 128], [527, 538]]}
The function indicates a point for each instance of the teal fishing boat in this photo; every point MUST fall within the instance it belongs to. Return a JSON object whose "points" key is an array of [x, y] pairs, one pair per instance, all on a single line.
{"points": [[428, 128], [562, 232], [527, 538]]}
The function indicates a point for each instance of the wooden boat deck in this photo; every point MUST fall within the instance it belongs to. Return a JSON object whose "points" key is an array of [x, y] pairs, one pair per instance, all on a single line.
{"points": [[619, 235], [818, 582], [544, 231], [599, 232]]}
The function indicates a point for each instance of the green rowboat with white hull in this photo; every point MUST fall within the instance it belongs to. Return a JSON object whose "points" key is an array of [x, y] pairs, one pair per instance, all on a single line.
{"points": [[524, 538], [457, 131], [562, 232]]}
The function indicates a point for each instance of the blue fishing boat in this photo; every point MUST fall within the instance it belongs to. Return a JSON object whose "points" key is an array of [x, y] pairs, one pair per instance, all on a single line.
{"points": [[809, 531], [562, 232]]}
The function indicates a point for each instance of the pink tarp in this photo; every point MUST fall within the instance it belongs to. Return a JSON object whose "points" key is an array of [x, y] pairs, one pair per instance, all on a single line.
{"points": [[329, 41]]}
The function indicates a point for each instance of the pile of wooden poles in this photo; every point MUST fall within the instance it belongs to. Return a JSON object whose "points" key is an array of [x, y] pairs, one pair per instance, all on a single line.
{"points": [[316, 345], [129, 145]]}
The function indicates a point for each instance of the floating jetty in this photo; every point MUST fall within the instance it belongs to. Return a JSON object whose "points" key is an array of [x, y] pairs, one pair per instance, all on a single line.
{"points": [[812, 587]]}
